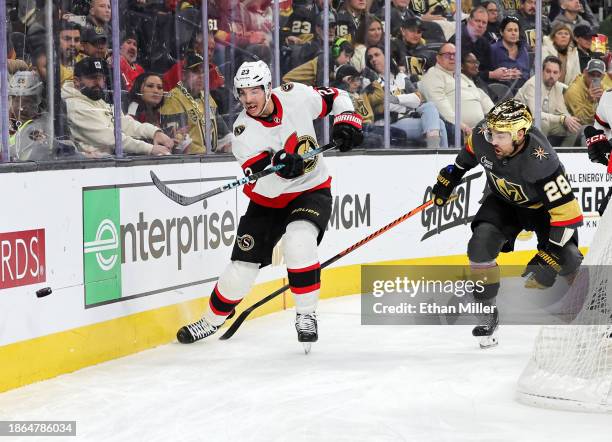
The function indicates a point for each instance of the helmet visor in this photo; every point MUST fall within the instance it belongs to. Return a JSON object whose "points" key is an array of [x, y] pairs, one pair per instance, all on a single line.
{"points": [[496, 137]]}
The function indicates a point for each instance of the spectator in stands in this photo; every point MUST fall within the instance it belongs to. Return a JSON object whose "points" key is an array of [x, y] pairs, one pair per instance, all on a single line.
{"points": [[472, 40], [235, 29], [100, 15], [350, 15], [129, 53], [183, 114], [431, 10], [509, 7], [259, 19], [300, 25], [475, 103], [370, 33], [435, 12], [526, 16], [492, 32], [91, 119], [216, 81], [560, 44], [583, 35], [585, 12], [420, 121], [350, 80], [410, 52], [571, 14], [146, 98], [94, 42], [311, 49], [69, 43], [400, 11], [28, 124], [511, 52], [311, 72], [469, 68], [582, 96], [556, 119], [438, 86], [39, 64], [14, 64], [24, 98]]}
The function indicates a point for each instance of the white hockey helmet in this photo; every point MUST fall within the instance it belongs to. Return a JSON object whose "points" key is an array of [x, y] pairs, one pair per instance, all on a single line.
{"points": [[25, 84], [251, 74]]}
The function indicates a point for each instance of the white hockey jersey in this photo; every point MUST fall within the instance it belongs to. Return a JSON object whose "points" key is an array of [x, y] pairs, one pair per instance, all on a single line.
{"points": [[255, 141], [603, 114]]}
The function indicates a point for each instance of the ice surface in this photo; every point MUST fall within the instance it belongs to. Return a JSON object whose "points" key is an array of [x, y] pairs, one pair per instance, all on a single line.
{"points": [[359, 383]]}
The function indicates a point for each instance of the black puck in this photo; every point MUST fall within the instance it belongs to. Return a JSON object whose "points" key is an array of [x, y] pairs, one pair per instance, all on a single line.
{"points": [[45, 291]]}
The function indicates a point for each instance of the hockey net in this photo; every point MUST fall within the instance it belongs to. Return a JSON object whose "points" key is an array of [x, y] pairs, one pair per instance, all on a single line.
{"points": [[571, 365]]}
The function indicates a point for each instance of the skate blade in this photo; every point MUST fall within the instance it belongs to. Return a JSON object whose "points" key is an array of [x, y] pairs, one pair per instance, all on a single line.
{"points": [[487, 342], [307, 346]]}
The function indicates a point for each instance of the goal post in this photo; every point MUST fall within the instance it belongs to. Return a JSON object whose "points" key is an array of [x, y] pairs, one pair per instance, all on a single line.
{"points": [[571, 365]]}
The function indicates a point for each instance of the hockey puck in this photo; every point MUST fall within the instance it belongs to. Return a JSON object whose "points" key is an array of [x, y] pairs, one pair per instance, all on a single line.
{"points": [[45, 291]]}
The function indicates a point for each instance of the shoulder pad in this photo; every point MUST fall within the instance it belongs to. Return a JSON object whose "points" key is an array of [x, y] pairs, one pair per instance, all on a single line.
{"points": [[239, 129], [286, 87]]}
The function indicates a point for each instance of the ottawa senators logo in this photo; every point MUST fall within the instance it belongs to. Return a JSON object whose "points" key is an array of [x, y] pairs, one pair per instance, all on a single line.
{"points": [[286, 87], [239, 129], [245, 242], [301, 145]]}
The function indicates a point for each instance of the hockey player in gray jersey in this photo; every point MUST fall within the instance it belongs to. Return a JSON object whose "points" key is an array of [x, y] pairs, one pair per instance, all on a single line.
{"points": [[528, 191]]}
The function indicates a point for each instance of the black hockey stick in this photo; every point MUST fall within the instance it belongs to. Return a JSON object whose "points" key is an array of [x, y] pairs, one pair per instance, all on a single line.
{"points": [[242, 317], [188, 200]]}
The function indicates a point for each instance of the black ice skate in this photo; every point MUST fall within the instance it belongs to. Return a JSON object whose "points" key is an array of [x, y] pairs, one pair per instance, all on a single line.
{"points": [[486, 331], [306, 326], [194, 332]]}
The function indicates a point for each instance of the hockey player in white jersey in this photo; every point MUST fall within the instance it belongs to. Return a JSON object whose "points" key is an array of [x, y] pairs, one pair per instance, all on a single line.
{"points": [[275, 127], [603, 114]]}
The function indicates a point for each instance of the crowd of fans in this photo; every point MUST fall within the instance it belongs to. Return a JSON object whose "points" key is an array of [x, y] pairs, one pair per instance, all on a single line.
{"points": [[163, 92]]}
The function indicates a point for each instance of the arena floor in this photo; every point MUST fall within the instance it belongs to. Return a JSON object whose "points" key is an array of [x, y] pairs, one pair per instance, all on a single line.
{"points": [[359, 383]]}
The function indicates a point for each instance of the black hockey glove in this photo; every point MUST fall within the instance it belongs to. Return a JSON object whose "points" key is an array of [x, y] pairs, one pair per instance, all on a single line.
{"points": [[347, 132], [543, 268], [447, 179], [293, 162], [598, 145]]}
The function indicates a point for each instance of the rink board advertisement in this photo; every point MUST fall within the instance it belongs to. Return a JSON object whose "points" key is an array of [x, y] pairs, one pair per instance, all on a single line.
{"points": [[126, 265]]}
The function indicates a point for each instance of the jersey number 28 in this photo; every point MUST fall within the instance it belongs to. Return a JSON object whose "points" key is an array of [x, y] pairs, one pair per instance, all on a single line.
{"points": [[556, 188]]}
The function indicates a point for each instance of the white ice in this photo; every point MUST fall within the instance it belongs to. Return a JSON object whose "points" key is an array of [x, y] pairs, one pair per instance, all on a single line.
{"points": [[359, 383]]}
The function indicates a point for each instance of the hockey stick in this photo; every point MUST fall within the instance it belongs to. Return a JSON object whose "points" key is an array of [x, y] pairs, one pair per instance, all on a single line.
{"points": [[188, 200], [240, 319]]}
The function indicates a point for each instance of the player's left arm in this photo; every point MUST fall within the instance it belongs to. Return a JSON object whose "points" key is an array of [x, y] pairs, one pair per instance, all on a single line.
{"points": [[347, 130], [565, 217]]}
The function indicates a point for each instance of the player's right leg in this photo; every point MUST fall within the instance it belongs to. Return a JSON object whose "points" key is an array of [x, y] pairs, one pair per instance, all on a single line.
{"points": [[233, 285], [483, 248], [252, 250]]}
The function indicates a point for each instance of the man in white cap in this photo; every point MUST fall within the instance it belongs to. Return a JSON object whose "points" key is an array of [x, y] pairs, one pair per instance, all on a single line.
{"points": [[90, 117]]}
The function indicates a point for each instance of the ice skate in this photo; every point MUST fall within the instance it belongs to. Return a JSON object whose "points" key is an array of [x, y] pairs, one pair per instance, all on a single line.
{"points": [[485, 332], [306, 326], [196, 331]]}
